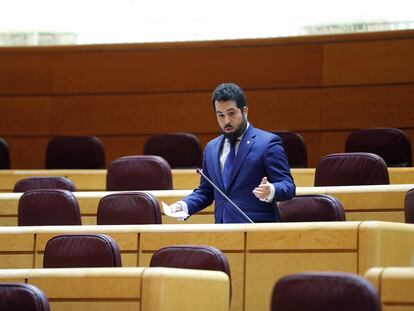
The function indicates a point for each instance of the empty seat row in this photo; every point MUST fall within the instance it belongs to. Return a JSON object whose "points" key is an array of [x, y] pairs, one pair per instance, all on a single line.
{"points": [[126, 173], [99, 250], [312, 291], [154, 173], [53, 207], [60, 207], [183, 150]]}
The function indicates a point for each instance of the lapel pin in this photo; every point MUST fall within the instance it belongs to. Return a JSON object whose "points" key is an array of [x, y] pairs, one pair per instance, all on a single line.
{"points": [[248, 142]]}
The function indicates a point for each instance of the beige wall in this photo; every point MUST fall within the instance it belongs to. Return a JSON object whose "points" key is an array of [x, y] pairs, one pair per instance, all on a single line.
{"points": [[322, 87]]}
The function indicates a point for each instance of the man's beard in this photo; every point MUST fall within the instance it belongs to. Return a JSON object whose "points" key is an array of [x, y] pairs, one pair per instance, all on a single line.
{"points": [[239, 131]]}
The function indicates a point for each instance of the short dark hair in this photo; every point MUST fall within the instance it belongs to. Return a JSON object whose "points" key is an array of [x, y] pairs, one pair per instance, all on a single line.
{"points": [[229, 91]]}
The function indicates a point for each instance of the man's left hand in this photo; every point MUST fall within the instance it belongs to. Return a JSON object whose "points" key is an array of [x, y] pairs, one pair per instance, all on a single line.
{"points": [[262, 191]]}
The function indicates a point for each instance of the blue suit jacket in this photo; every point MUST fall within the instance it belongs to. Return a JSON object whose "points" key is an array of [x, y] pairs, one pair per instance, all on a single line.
{"points": [[259, 154]]}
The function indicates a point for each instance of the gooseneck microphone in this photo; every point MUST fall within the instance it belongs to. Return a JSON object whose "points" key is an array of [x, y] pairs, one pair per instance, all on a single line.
{"points": [[200, 171]]}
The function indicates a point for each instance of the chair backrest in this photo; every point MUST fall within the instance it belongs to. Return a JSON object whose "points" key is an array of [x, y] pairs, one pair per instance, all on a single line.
{"points": [[180, 150], [48, 207], [315, 207], [128, 208], [391, 144], [4, 155], [75, 152], [199, 257], [139, 173], [324, 291], [81, 251], [350, 169], [22, 297], [44, 182], [295, 148], [409, 206]]}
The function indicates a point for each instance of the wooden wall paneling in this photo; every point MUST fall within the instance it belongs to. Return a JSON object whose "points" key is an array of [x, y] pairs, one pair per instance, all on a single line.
{"points": [[16, 255], [289, 109], [313, 143], [370, 62], [393, 285], [197, 68], [229, 239], [276, 252], [120, 146], [368, 106], [25, 115], [410, 133], [26, 73], [27, 152], [378, 242], [133, 114], [332, 142]]}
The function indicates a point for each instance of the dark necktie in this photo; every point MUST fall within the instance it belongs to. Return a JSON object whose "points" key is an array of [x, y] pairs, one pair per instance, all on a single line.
{"points": [[228, 164]]}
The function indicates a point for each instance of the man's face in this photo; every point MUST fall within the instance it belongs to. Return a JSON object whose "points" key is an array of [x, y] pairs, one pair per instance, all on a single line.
{"points": [[230, 118]]}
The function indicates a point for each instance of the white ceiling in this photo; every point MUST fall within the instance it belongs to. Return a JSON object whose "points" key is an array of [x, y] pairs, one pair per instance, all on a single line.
{"points": [[175, 20]]}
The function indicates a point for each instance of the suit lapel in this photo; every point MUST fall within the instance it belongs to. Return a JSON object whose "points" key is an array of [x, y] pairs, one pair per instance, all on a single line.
{"points": [[244, 148], [216, 161]]}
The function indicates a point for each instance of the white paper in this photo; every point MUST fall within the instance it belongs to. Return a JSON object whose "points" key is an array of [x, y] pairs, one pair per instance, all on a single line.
{"points": [[167, 211]]}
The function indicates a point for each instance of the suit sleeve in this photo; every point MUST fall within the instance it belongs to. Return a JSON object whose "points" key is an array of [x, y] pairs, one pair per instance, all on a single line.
{"points": [[278, 171], [203, 196]]}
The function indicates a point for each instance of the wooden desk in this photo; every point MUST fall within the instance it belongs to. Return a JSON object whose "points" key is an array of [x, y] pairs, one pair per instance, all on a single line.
{"points": [[259, 254], [183, 179], [394, 286], [385, 203], [127, 289]]}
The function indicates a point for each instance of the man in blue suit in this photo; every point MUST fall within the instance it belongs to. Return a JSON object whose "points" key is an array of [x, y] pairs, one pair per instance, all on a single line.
{"points": [[249, 165]]}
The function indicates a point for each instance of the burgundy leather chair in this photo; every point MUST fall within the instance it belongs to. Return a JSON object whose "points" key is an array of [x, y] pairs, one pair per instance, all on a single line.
{"points": [[81, 251], [324, 291], [48, 207], [391, 144], [22, 297], [75, 152], [44, 182], [295, 148], [128, 208], [139, 173], [409, 206], [197, 257], [4, 155], [350, 169], [315, 207], [180, 150]]}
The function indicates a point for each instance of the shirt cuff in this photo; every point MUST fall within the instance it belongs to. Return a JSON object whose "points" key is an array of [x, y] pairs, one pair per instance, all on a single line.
{"points": [[271, 195], [184, 206]]}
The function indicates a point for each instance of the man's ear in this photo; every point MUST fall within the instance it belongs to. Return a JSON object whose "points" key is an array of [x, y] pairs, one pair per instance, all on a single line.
{"points": [[245, 110]]}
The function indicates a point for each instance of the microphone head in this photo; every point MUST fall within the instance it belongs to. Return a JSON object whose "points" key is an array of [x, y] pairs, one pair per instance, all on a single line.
{"points": [[199, 170]]}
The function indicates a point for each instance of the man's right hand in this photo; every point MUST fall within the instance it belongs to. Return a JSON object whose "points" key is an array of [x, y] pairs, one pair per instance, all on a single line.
{"points": [[176, 207]]}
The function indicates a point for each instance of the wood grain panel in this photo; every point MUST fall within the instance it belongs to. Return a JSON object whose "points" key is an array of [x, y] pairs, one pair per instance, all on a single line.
{"points": [[133, 114], [26, 73], [25, 115], [124, 93], [176, 69], [284, 109], [265, 269], [370, 62], [369, 106], [28, 152]]}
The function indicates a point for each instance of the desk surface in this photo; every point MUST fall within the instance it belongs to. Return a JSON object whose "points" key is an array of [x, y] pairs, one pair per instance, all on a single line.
{"points": [[259, 254], [382, 202], [95, 180]]}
